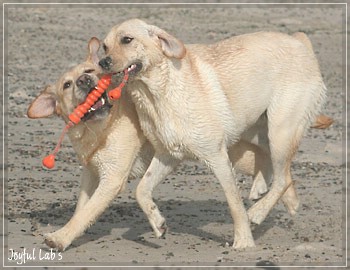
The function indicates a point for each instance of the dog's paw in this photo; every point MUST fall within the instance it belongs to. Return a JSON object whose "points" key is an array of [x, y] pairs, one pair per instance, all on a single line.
{"points": [[161, 229], [257, 213], [290, 200], [259, 188], [246, 242], [53, 240], [292, 205]]}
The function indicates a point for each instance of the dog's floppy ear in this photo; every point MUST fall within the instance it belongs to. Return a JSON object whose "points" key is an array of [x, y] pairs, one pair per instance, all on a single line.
{"points": [[171, 46], [93, 47], [43, 105]]}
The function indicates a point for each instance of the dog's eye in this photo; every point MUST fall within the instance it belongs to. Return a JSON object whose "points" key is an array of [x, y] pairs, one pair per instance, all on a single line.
{"points": [[89, 71], [126, 40], [67, 84], [105, 47]]}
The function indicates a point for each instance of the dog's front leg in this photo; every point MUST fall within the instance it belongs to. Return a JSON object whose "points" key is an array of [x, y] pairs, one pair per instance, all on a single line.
{"points": [[88, 185], [221, 167], [161, 165], [107, 190]]}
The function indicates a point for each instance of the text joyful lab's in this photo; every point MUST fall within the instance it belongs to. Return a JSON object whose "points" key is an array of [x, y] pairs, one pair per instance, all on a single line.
{"points": [[27, 255]]}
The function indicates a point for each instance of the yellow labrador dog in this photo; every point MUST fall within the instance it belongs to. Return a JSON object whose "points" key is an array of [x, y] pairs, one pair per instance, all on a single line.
{"points": [[111, 146], [194, 101], [108, 142]]}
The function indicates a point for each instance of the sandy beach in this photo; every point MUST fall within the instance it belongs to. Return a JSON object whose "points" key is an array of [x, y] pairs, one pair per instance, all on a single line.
{"points": [[43, 41]]}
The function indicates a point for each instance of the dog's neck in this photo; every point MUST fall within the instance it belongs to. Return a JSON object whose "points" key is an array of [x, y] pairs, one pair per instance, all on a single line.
{"points": [[157, 79], [88, 137], [155, 96]]}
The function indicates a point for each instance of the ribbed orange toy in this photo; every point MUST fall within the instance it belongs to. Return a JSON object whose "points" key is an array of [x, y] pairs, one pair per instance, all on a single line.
{"points": [[90, 100]]}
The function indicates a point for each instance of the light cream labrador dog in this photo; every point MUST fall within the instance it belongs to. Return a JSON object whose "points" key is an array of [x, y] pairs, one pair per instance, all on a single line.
{"points": [[194, 101], [111, 146], [108, 142]]}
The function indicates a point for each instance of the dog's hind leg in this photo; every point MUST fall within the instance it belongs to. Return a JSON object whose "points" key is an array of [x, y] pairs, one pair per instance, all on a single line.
{"points": [[255, 160], [251, 156], [161, 165], [284, 139], [252, 160], [221, 167], [290, 198]]}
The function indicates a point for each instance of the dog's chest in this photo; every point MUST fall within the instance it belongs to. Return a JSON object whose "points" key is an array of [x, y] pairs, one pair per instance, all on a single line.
{"points": [[161, 127], [164, 133]]}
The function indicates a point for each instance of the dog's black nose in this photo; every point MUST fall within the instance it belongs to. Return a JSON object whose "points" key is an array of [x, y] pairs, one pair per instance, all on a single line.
{"points": [[106, 63], [84, 82]]}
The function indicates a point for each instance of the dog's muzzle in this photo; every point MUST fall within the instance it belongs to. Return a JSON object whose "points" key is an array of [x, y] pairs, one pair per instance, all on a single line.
{"points": [[85, 83], [101, 108], [106, 63]]}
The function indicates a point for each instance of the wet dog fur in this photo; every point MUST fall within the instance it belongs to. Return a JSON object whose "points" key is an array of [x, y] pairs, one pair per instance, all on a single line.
{"points": [[195, 101], [111, 147]]}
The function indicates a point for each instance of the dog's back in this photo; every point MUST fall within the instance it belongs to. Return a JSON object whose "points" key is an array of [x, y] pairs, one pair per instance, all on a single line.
{"points": [[260, 68]]}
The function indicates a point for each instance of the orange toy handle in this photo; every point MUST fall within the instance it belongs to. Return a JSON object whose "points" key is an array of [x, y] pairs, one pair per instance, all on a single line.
{"points": [[117, 92], [49, 161]]}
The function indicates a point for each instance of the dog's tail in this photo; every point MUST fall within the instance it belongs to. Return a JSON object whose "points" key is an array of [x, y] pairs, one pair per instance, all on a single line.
{"points": [[321, 121], [303, 38]]}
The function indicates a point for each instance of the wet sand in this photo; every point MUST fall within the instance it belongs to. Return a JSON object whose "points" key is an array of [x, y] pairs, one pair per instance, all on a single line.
{"points": [[43, 41]]}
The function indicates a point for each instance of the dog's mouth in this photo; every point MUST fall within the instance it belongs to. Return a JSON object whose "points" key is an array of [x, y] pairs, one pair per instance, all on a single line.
{"points": [[86, 83], [99, 110], [133, 70]]}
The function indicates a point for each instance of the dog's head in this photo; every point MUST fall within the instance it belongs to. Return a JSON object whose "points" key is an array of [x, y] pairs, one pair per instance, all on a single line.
{"points": [[71, 90], [137, 46]]}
